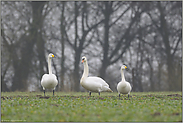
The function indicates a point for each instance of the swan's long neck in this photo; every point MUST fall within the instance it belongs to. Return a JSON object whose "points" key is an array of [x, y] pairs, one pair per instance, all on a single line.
{"points": [[85, 73], [49, 65], [122, 76]]}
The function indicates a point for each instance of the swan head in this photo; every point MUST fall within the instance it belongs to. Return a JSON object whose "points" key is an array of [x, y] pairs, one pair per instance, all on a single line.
{"points": [[50, 55], [123, 67], [84, 59]]}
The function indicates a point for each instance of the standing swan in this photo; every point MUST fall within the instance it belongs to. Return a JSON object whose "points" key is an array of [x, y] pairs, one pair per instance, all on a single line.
{"points": [[123, 87], [93, 84], [49, 81]]}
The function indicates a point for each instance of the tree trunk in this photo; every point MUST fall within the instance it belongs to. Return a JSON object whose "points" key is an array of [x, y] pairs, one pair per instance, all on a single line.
{"points": [[22, 69], [62, 79], [151, 74], [159, 76], [76, 70], [169, 58], [105, 60], [134, 85], [41, 55], [77, 55], [4, 87]]}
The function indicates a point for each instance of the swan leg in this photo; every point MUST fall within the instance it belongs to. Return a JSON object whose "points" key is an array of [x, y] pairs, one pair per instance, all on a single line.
{"points": [[44, 92], [90, 93], [128, 96], [99, 93], [119, 96], [53, 92]]}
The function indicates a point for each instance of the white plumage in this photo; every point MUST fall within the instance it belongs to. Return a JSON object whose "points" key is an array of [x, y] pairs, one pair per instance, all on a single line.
{"points": [[49, 81], [93, 84], [123, 86]]}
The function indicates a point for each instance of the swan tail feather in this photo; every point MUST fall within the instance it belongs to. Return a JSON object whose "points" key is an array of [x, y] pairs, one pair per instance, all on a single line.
{"points": [[108, 89]]}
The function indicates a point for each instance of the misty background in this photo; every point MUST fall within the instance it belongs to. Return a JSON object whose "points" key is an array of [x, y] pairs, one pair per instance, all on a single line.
{"points": [[146, 36]]}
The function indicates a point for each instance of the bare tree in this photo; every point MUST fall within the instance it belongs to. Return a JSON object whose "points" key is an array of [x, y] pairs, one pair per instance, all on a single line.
{"points": [[111, 54], [22, 60], [62, 30], [171, 36]]}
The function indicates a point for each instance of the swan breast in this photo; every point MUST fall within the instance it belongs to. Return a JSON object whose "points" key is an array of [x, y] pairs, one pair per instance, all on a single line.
{"points": [[49, 81], [124, 87]]}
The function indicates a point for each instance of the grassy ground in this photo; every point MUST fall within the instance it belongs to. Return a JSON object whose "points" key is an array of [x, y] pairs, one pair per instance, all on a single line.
{"points": [[79, 107]]}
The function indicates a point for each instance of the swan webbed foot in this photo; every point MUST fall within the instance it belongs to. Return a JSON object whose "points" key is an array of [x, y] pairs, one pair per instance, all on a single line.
{"points": [[44, 92], [53, 92]]}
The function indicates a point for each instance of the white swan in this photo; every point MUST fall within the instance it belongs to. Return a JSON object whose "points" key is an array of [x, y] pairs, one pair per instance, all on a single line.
{"points": [[123, 86], [93, 84], [49, 81]]}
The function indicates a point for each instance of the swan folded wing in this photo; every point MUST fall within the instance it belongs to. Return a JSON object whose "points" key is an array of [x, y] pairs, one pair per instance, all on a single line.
{"points": [[49, 81], [92, 85], [98, 84], [98, 80]]}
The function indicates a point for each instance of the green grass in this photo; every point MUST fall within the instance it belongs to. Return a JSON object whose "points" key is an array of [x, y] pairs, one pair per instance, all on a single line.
{"points": [[79, 107]]}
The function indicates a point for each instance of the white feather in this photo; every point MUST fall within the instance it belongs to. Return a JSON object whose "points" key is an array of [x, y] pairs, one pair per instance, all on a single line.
{"points": [[93, 84], [123, 86], [49, 81]]}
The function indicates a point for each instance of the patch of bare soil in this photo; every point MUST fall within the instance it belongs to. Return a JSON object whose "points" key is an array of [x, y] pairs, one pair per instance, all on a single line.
{"points": [[177, 96], [176, 113], [156, 114], [38, 95], [174, 95], [3, 98], [101, 98], [44, 97], [54, 105]]}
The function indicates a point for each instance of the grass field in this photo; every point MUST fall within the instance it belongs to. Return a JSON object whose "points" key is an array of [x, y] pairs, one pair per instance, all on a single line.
{"points": [[79, 107]]}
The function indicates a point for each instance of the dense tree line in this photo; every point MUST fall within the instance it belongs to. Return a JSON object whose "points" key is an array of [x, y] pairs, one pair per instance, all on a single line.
{"points": [[146, 36]]}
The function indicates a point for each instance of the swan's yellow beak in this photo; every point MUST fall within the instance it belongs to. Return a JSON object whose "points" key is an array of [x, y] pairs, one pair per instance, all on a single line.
{"points": [[52, 55], [125, 67]]}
